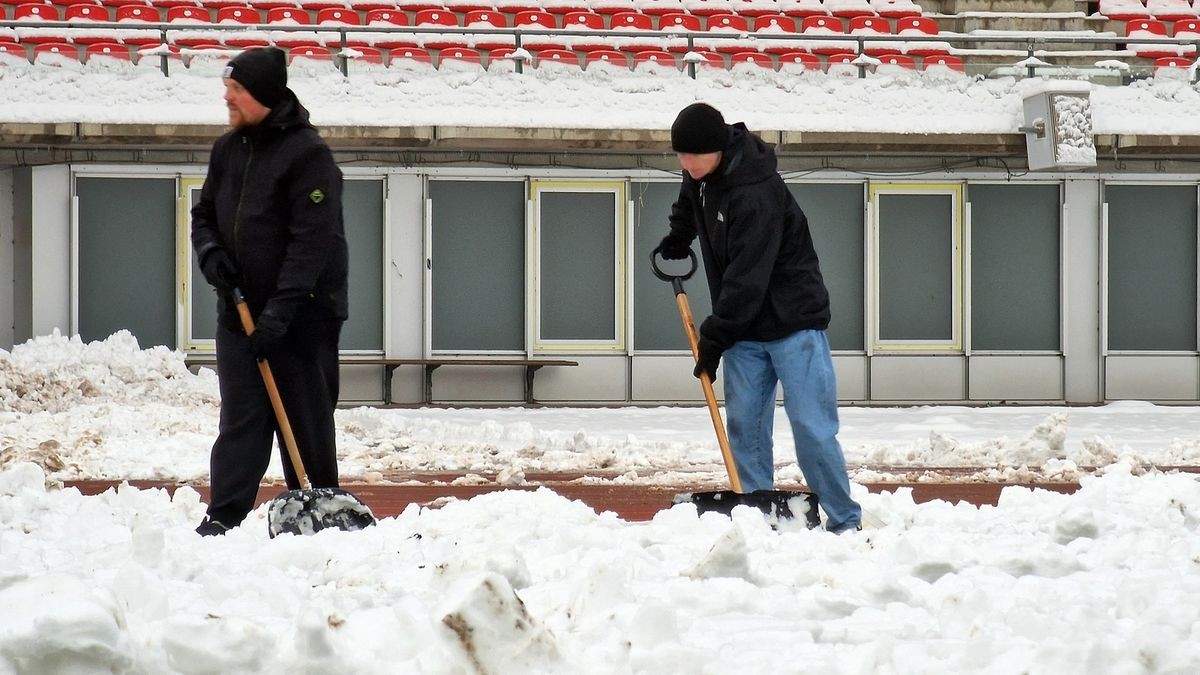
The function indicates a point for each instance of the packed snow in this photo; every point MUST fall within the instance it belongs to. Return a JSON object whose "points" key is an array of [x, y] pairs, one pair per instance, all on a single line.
{"points": [[1102, 580]]}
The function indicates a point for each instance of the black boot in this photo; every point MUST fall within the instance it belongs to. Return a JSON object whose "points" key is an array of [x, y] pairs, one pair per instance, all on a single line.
{"points": [[211, 528]]}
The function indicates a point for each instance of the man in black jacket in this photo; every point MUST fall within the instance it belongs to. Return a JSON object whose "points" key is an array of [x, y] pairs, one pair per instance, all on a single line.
{"points": [[770, 305], [269, 221]]}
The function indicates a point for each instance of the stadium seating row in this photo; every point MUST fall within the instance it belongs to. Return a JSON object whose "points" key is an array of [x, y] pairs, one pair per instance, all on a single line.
{"points": [[844, 9], [1163, 10]]}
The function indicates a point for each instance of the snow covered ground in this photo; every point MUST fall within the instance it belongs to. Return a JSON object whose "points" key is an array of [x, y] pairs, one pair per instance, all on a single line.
{"points": [[1103, 580]]}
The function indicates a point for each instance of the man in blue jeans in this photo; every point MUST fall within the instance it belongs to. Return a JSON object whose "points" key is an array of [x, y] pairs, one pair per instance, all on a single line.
{"points": [[770, 305]]}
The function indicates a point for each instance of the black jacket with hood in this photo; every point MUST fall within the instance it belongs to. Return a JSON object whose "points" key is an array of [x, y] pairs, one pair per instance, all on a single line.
{"points": [[273, 201], [758, 254]]}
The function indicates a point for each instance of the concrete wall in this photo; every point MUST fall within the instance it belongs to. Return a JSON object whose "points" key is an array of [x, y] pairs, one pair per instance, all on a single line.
{"points": [[1081, 292]]}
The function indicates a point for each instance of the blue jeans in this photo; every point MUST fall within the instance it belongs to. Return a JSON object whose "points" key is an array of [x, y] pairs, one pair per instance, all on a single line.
{"points": [[801, 361]]}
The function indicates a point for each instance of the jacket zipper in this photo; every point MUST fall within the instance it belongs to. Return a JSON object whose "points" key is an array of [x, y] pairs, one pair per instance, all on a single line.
{"points": [[237, 214]]}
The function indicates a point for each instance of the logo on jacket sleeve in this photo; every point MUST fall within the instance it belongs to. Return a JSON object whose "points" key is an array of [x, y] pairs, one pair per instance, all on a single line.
{"points": [[317, 196]]}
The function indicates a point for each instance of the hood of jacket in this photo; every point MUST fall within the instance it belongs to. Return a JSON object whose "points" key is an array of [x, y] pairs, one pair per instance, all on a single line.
{"points": [[289, 114], [746, 159]]}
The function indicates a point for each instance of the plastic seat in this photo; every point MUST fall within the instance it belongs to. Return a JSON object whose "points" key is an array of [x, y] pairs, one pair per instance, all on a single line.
{"points": [[753, 58], [315, 5], [1171, 10], [36, 13], [727, 23], [943, 61], [489, 19], [88, 14], [707, 7], [264, 6], [634, 22], [802, 61], [191, 16], [610, 56], [515, 7], [896, 63], [1123, 10], [311, 52], [564, 57], [389, 18], [802, 8], [57, 54], [242, 14], [874, 26], [767, 25], [340, 17], [435, 18], [825, 25], [291, 16], [538, 19], [654, 58], [107, 50], [678, 22], [848, 9], [920, 26], [704, 58], [610, 7], [420, 6], [12, 53], [365, 6], [841, 65], [408, 57], [467, 6], [564, 6], [459, 55], [582, 21], [660, 7], [753, 8], [1149, 28], [895, 9], [505, 58], [135, 14]]}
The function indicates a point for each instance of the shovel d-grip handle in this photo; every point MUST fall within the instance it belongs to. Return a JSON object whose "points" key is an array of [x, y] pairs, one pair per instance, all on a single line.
{"points": [[285, 427], [706, 383]]}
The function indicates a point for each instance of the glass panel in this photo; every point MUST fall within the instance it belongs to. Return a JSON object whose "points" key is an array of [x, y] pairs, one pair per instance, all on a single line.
{"points": [[916, 267], [577, 265], [1151, 267], [362, 215], [835, 219], [478, 265], [657, 324], [1015, 267], [127, 258]]}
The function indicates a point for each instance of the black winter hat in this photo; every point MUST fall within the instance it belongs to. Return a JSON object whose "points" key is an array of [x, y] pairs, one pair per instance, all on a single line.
{"points": [[263, 72], [699, 129]]}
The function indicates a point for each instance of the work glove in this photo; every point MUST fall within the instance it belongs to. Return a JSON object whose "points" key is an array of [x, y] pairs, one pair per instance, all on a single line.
{"points": [[219, 270], [708, 360], [267, 336], [675, 247]]}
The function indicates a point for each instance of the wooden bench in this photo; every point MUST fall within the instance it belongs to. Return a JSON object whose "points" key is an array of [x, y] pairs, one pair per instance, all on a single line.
{"points": [[390, 365]]}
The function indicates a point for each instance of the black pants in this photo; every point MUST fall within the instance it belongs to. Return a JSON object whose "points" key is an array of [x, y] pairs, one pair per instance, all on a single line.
{"points": [[306, 371]]}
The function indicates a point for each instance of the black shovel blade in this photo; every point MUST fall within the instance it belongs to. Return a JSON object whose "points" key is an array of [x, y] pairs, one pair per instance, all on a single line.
{"points": [[310, 511], [775, 504]]}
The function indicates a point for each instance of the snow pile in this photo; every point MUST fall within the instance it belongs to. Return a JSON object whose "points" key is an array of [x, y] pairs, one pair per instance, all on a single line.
{"points": [[53, 373]]}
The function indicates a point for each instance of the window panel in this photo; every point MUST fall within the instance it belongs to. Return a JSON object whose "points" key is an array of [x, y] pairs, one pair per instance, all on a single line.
{"points": [[835, 219]]}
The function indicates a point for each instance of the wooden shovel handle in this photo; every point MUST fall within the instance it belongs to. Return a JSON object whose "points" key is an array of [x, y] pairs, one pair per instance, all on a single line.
{"points": [[289, 439], [689, 327]]}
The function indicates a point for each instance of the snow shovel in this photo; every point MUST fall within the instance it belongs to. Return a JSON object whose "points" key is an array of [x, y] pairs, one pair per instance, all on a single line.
{"points": [[307, 510], [775, 504]]}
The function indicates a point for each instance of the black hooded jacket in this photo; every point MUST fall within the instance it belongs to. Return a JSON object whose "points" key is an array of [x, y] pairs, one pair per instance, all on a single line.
{"points": [[758, 254], [273, 201]]}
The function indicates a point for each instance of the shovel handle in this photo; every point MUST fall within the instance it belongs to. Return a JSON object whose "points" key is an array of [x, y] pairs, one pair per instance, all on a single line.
{"points": [[285, 427], [706, 383]]}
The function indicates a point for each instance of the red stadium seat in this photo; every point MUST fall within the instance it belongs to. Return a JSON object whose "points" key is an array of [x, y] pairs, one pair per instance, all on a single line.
{"points": [[439, 18], [538, 19], [107, 50], [825, 25], [465, 6], [634, 22], [920, 26], [60, 54], [707, 7], [654, 57], [389, 18], [847, 9], [892, 63], [564, 57], [841, 65], [895, 9], [753, 8], [942, 61], [37, 13], [660, 7], [488, 18], [678, 22], [875, 26], [768, 25], [291, 16], [420, 5], [1171, 10], [609, 56], [585, 21], [611, 7], [799, 61], [135, 14], [803, 8], [12, 53], [564, 6], [88, 14], [707, 59], [1149, 28], [408, 56], [339, 17], [459, 55], [754, 58], [727, 23]]}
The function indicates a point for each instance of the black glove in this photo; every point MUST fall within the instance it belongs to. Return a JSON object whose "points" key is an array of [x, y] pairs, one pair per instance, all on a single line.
{"points": [[219, 270], [675, 247], [267, 336], [709, 359]]}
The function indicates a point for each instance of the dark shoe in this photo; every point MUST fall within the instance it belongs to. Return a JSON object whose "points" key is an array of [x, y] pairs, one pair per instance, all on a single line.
{"points": [[211, 528], [848, 529]]}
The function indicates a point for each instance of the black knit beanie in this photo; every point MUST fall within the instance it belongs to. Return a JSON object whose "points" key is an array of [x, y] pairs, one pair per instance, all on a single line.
{"points": [[263, 72], [699, 129]]}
